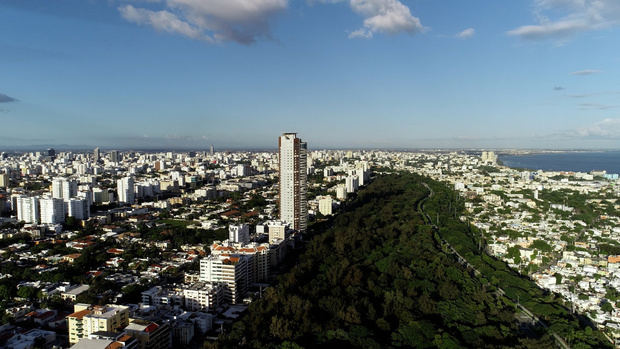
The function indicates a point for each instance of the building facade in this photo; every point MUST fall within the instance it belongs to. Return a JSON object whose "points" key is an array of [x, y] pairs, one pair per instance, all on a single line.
{"points": [[293, 181], [63, 188], [125, 190], [78, 208], [239, 233], [28, 209], [52, 211], [231, 271], [88, 319]]}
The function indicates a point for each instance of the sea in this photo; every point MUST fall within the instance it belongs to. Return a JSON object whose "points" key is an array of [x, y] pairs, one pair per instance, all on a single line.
{"points": [[565, 161]]}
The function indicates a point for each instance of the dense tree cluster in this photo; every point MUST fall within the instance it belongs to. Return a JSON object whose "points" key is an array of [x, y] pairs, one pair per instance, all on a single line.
{"points": [[380, 277], [177, 232]]}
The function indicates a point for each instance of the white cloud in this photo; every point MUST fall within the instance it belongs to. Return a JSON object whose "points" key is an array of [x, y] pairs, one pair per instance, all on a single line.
{"points": [[361, 33], [160, 20], [606, 128], [384, 16], [560, 29], [242, 21], [586, 72], [466, 34], [569, 18]]}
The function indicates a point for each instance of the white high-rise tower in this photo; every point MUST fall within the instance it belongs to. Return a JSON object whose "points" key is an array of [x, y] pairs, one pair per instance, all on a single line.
{"points": [[63, 188], [124, 187], [28, 209], [293, 181], [52, 210]]}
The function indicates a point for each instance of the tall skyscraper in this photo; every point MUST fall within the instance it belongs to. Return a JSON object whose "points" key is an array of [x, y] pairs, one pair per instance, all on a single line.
{"points": [[96, 154], [293, 181], [125, 190], [211, 150]]}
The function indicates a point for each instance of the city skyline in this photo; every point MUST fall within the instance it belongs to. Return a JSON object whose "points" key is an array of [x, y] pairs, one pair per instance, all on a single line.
{"points": [[359, 74], [115, 248]]}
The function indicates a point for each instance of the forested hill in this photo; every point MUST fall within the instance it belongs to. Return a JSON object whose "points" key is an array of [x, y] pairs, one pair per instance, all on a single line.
{"points": [[380, 277]]}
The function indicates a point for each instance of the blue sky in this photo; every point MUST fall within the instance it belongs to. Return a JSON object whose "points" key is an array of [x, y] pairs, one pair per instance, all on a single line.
{"points": [[349, 73]]}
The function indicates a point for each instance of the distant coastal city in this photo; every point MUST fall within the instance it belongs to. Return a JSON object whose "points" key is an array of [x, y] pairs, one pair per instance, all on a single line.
{"points": [[173, 246], [280, 174]]}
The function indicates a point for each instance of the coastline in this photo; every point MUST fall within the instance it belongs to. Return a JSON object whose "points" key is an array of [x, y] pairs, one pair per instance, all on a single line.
{"points": [[569, 161]]}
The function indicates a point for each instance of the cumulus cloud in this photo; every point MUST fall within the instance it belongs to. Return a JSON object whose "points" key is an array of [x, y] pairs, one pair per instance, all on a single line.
{"points": [[384, 16], [6, 99], [585, 72], [561, 19], [245, 21], [466, 34], [558, 88], [242, 21], [606, 128]]}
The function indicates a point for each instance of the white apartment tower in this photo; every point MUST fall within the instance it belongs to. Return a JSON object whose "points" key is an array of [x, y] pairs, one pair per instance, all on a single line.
{"points": [[293, 181], [4, 180], [28, 209], [124, 187], [52, 211], [63, 188], [229, 270], [352, 184], [325, 205], [78, 208]]}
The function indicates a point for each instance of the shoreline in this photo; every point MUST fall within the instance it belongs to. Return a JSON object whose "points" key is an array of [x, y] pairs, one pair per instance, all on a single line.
{"points": [[564, 161]]}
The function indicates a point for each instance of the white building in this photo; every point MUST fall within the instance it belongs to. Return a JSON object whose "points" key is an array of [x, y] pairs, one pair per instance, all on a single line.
{"points": [[52, 211], [63, 188], [4, 180], [202, 296], [277, 230], [125, 190], [341, 192], [231, 271], [239, 233], [293, 181], [78, 208], [362, 175], [102, 195], [489, 157], [243, 170], [352, 184], [325, 205], [28, 209]]}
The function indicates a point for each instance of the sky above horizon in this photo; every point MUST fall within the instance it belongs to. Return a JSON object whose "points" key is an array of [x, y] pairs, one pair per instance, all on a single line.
{"points": [[340, 73]]}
